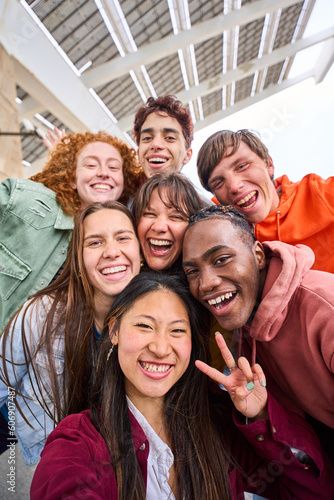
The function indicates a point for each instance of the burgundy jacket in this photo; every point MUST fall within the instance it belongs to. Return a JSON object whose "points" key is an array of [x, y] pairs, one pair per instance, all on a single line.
{"points": [[75, 462]]}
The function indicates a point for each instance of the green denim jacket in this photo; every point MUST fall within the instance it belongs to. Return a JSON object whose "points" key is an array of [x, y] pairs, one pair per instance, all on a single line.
{"points": [[34, 236]]}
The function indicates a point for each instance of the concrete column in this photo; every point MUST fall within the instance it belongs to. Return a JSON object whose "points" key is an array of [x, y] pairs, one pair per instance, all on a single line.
{"points": [[10, 147]]}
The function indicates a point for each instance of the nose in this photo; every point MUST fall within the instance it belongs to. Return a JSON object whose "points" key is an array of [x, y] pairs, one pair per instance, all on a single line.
{"points": [[111, 251], [160, 345], [102, 170], [160, 225], [157, 142], [208, 281], [233, 183]]}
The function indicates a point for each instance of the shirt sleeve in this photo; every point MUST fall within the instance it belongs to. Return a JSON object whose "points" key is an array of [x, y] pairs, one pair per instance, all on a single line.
{"points": [[70, 467], [27, 328], [285, 457]]}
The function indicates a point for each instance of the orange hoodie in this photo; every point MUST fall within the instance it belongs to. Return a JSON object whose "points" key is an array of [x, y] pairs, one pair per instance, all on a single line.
{"points": [[305, 215]]}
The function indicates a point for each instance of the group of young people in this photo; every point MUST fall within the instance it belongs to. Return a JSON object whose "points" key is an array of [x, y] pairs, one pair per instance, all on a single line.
{"points": [[114, 271]]}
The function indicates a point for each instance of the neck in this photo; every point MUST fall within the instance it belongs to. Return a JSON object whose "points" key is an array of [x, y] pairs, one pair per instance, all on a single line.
{"points": [[102, 305], [152, 410]]}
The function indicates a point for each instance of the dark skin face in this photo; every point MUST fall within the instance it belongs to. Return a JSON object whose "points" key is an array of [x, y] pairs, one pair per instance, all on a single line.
{"points": [[223, 271]]}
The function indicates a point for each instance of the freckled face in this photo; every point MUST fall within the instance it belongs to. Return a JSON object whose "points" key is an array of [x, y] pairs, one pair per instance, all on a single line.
{"points": [[154, 345], [162, 146], [223, 272], [99, 173], [244, 180]]}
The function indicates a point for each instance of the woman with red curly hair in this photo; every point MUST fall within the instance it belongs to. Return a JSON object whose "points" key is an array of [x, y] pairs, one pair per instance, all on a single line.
{"points": [[36, 215]]}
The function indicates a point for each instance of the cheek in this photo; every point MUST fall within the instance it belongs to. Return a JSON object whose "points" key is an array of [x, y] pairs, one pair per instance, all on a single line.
{"points": [[142, 229], [179, 233]]}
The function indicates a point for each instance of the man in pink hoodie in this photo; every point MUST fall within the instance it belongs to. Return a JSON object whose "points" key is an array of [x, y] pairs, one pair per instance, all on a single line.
{"points": [[281, 311]]}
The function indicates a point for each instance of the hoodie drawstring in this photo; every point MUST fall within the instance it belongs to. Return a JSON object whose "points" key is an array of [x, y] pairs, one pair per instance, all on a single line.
{"points": [[240, 339], [278, 228]]}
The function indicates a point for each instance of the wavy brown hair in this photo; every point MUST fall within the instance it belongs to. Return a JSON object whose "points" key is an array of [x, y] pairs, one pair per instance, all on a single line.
{"points": [[69, 315], [59, 172]]}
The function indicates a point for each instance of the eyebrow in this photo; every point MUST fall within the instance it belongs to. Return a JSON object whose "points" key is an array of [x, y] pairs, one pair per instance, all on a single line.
{"points": [[92, 157], [120, 231], [147, 316], [206, 255], [165, 130]]}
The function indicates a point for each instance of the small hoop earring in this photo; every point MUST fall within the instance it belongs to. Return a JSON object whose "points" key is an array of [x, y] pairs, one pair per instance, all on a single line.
{"points": [[110, 351]]}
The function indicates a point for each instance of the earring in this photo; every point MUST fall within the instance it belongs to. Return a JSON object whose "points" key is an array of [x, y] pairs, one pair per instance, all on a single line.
{"points": [[110, 351]]}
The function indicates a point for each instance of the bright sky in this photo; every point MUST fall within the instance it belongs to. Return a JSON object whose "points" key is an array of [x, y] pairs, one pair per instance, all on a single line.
{"points": [[296, 124]]}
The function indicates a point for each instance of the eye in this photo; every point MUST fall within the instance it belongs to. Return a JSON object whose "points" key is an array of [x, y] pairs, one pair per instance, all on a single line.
{"points": [[124, 238], [145, 138], [178, 217], [170, 138], [218, 184], [114, 168], [147, 213], [221, 260], [144, 326], [190, 272], [91, 165], [178, 332], [94, 243], [242, 166]]}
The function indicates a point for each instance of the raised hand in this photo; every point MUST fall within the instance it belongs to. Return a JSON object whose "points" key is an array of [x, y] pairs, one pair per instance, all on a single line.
{"points": [[52, 137], [246, 385]]}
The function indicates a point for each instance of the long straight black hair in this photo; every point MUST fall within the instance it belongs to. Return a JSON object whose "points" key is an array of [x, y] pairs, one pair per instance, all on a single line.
{"points": [[201, 458]]}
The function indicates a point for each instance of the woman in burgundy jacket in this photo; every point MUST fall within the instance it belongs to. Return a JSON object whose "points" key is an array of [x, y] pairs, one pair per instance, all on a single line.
{"points": [[156, 429]]}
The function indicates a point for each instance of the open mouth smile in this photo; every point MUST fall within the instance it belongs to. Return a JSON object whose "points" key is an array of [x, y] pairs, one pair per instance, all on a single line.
{"points": [[155, 370], [249, 200], [160, 247], [114, 273], [101, 187], [221, 301]]}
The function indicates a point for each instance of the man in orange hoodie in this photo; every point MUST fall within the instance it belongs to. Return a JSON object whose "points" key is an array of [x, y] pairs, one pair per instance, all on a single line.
{"points": [[237, 168]]}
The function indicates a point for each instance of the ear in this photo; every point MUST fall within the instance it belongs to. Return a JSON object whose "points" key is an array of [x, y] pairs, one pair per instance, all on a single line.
{"points": [[259, 255], [188, 156], [113, 332], [270, 167]]}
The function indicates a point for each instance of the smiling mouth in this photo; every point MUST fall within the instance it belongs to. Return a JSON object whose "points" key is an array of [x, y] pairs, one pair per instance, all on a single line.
{"points": [[249, 200], [222, 300], [102, 187], [160, 247], [157, 162], [155, 367]]}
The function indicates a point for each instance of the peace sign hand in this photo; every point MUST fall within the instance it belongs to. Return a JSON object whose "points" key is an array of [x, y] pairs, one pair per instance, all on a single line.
{"points": [[246, 385]]}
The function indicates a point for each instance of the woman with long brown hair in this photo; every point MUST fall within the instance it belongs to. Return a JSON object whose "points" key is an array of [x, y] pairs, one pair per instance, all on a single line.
{"points": [[153, 431], [48, 349]]}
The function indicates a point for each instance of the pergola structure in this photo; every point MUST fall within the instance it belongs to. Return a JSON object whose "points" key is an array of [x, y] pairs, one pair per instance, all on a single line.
{"points": [[89, 64]]}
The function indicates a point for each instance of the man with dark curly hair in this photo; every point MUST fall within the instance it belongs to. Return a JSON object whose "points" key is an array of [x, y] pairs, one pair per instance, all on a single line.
{"points": [[163, 130]]}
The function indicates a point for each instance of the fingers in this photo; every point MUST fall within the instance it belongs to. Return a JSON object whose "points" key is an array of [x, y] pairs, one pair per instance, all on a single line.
{"points": [[214, 374], [225, 352], [259, 375]]}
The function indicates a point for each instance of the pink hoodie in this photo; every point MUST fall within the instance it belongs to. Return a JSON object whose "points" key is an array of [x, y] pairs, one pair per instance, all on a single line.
{"points": [[294, 331]]}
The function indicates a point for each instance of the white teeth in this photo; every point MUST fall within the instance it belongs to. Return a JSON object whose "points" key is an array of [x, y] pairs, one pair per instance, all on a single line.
{"points": [[246, 198], [160, 243], [151, 367], [220, 299], [102, 186], [157, 160], [112, 270]]}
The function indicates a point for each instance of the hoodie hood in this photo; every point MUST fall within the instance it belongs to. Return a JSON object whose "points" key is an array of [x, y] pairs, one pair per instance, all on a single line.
{"points": [[287, 264]]}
